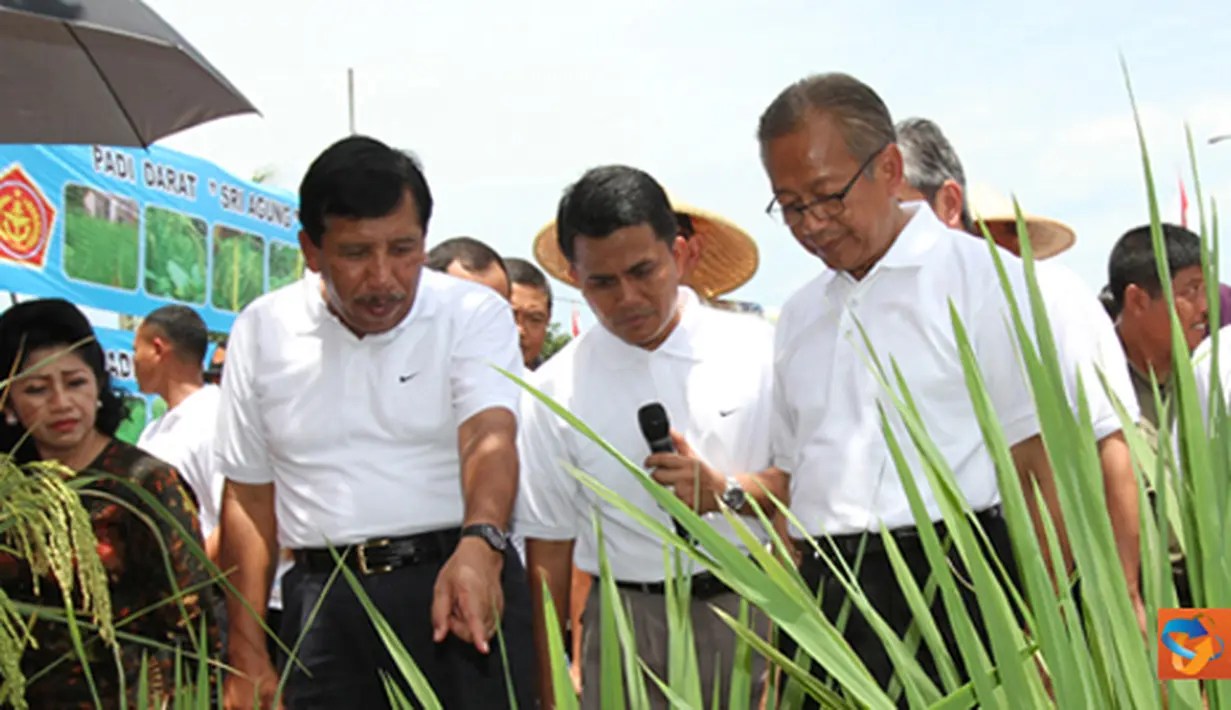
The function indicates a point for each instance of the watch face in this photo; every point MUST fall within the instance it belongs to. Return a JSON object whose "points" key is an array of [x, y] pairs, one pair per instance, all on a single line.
{"points": [[490, 534], [495, 538], [735, 498]]}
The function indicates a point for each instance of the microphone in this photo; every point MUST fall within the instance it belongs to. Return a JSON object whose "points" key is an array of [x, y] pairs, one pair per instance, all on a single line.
{"points": [[656, 429]]}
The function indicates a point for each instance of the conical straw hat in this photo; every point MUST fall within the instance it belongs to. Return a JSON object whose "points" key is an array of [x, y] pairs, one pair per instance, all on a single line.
{"points": [[729, 256], [1048, 237]]}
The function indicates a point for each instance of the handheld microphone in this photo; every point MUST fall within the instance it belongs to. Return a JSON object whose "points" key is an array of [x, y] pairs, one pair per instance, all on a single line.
{"points": [[656, 429]]}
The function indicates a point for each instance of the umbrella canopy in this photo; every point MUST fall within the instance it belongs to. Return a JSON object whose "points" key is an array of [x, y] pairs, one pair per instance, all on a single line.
{"points": [[108, 72]]}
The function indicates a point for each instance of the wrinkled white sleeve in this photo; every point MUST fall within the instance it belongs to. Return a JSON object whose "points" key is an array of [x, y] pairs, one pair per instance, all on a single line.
{"points": [[547, 501], [1203, 371], [240, 442], [488, 337], [204, 477], [994, 341], [1086, 342], [783, 437]]}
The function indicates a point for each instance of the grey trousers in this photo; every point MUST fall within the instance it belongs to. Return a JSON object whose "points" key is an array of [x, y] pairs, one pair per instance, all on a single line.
{"points": [[715, 644]]}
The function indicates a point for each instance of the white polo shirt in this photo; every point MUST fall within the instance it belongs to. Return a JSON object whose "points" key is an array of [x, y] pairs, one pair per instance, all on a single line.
{"points": [[713, 374], [827, 424], [184, 437], [360, 434], [1086, 341], [1203, 374]]}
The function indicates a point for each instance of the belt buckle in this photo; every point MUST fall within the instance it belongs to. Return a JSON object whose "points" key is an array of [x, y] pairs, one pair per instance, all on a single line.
{"points": [[361, 554]]}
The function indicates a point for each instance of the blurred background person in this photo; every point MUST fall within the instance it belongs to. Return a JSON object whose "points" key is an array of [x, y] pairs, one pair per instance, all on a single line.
{"points": [[531, 301], [1144, 323], [470, 259], [168, 360]]}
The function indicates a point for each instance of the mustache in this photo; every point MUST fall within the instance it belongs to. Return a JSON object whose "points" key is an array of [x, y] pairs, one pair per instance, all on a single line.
{"points": [[381, 299], [630, 315]]}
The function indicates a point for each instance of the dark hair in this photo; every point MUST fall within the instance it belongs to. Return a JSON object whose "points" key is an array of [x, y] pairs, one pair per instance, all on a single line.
{"points": [[1109, 302], [53, 322], [929, 160], [1132, 259], [865, 120], [472, 254], [360, 178], [183, 328], [523, 273], [609, 198]]}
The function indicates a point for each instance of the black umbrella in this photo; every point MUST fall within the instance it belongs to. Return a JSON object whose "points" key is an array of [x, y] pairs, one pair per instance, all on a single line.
{"points": [[108, 72]]}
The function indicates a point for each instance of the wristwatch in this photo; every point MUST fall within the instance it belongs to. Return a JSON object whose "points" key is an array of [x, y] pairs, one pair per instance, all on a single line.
{"points": [[734, 497], [491, 534]]}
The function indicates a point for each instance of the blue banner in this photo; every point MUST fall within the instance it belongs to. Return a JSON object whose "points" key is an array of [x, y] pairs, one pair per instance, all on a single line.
{"points": [[128, 231]]}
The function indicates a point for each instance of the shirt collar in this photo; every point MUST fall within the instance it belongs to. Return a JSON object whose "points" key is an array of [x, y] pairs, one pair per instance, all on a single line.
{"points": [[681, 343], [316, 316], [910, 249]]}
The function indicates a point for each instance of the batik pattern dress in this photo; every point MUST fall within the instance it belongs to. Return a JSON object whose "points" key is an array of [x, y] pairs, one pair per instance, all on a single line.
{"points": [[139, 573]]}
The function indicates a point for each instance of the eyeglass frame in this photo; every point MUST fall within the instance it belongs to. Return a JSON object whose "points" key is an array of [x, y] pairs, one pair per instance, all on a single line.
{"points": [[838, 198]]}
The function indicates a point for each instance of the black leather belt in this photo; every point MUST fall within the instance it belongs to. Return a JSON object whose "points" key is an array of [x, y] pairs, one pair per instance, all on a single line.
{"points": [[848, 544], [381, 555], [704, 586]]}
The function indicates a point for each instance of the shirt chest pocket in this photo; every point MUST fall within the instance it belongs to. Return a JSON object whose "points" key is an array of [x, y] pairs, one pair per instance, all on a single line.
{"points": [[413, 405], [598, 463], [931, 369], [724, 402], [298, 405]]}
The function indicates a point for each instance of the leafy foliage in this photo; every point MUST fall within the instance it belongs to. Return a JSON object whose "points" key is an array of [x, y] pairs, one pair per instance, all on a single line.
{"points": [[130, 429], [98, 250], [239, 268], [555, 341], [175, 255], [285, 264]]}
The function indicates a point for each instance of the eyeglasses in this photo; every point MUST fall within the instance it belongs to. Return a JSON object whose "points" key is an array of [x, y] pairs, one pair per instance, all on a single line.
{"points": [[830, 205]]}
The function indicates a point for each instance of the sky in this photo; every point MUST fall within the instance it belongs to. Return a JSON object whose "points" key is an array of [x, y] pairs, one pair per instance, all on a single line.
{"points": [[507, 103]]}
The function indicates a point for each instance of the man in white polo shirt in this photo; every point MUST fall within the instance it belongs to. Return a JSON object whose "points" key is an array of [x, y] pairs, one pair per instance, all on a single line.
{"points": [[168, 360], [365, 392], [829, 148], [711, 373]]}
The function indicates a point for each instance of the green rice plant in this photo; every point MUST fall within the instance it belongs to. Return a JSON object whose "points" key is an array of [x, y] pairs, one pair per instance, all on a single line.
{"points": [[175, 255], [239, 268]]}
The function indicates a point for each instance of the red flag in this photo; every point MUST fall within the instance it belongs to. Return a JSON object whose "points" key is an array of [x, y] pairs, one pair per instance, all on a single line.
{"points": [[576, 322], [1183, 205]]}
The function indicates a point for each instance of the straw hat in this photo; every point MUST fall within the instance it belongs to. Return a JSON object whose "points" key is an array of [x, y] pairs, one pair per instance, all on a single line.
{"points": [[729, 256], [1048, 236]]}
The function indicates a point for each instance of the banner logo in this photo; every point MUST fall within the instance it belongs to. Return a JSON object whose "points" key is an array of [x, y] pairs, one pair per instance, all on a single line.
{"points": [[1190, 646], [26, 218]]}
